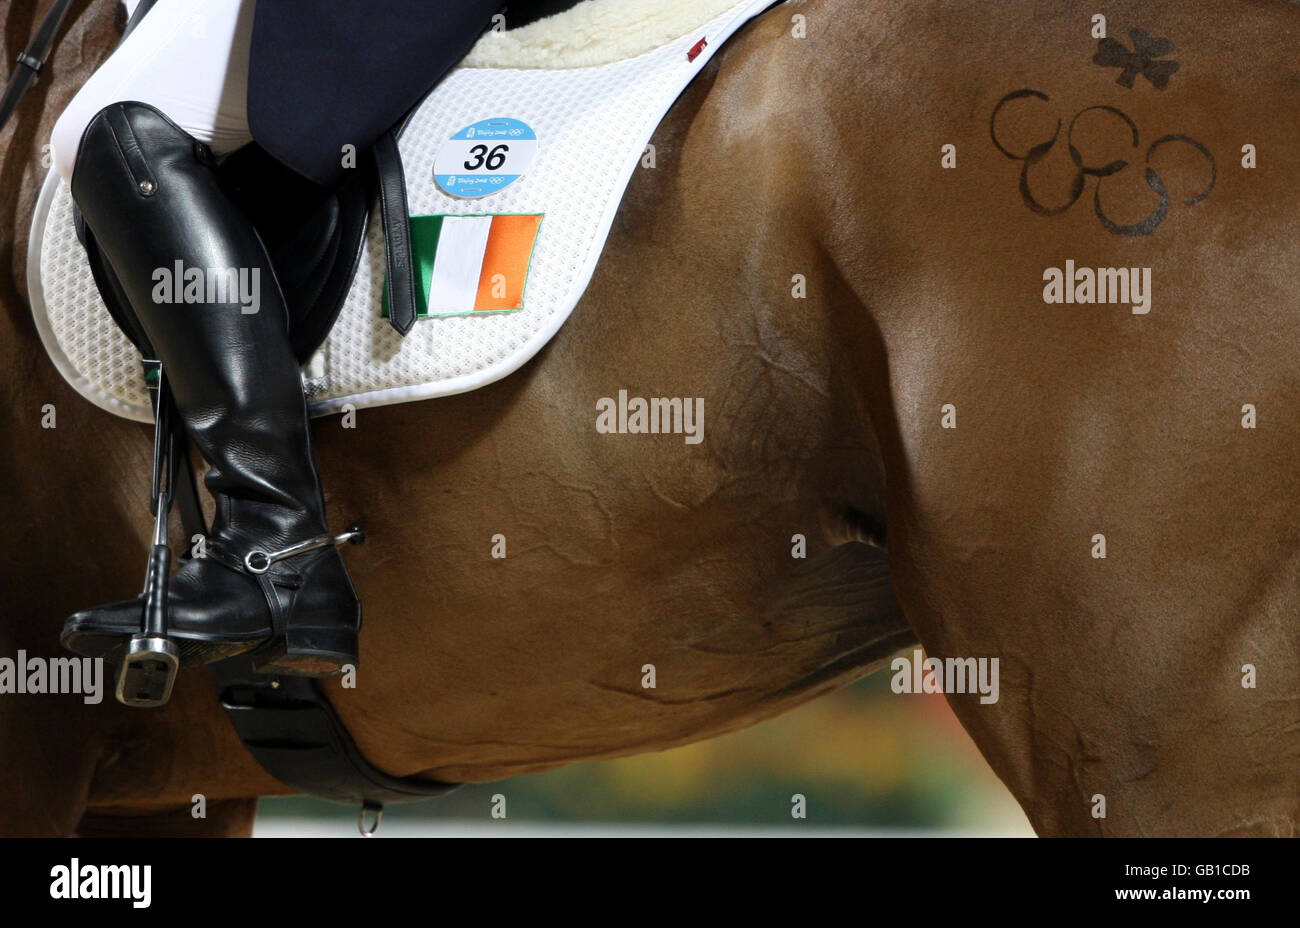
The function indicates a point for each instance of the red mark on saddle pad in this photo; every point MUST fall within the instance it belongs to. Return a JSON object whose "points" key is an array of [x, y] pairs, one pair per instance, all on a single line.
{"points": [[696, 49]]}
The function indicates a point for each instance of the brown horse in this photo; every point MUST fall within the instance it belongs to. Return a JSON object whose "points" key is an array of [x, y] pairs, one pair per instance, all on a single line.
{"points": [[863, 312]]}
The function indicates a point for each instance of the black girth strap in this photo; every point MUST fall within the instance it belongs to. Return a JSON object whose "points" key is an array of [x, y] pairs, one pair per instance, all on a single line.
{"points": [[288, 723], [290, 727]]}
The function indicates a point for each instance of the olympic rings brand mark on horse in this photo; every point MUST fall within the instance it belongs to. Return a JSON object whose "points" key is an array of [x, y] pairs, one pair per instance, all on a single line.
{"points": [[1040, 151]]}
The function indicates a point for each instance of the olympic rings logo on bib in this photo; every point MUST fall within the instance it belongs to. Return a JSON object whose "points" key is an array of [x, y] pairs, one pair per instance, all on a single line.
{"points": [[484, 158]]}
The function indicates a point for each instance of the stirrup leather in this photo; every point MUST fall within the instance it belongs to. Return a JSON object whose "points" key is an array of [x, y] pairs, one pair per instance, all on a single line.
{"points": [[152, 660]]}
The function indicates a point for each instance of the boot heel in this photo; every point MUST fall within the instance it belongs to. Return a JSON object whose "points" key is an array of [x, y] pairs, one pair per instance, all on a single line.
{"points": [[309, 652]]}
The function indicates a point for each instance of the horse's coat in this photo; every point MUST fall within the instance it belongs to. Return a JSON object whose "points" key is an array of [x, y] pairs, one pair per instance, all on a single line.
{"points": [[1120, 677]]}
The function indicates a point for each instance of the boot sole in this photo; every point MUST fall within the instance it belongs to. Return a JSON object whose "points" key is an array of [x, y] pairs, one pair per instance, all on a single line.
{"points": [[192, 652]]}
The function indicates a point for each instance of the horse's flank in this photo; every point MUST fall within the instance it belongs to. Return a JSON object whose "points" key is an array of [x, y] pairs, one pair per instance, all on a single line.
{"points": [[800, 260], [1134, 686]]}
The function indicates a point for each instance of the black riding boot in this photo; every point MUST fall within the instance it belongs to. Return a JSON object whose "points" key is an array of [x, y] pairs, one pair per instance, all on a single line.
{"points": [[149, 193]]}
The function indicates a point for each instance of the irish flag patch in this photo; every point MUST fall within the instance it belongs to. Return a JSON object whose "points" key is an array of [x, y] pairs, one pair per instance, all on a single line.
{"points": [[471, 264]]}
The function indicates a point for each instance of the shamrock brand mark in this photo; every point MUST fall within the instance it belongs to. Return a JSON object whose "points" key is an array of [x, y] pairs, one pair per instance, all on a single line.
{"points": [[1111, 53]]}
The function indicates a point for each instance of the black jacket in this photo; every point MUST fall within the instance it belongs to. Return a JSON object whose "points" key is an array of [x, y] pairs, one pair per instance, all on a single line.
{"points": [[328, 73]]}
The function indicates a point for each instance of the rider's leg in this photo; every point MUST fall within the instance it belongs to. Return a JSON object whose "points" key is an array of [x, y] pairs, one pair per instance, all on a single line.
{"points": [[188, 58], [149, 193]]}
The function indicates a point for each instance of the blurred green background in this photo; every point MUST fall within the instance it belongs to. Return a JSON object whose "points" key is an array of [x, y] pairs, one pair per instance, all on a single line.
{"points": [[867, 760]]}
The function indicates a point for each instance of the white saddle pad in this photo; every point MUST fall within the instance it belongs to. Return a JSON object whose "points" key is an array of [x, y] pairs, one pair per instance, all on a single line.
{"points": [[591, 122]]}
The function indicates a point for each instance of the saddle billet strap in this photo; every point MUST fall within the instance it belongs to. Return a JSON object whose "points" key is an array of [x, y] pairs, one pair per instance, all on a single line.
{"points": [[397, 232], [292, 730]]}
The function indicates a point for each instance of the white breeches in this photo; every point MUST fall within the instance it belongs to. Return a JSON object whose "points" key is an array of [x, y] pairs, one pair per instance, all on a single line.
{"points": [[188, 58]]}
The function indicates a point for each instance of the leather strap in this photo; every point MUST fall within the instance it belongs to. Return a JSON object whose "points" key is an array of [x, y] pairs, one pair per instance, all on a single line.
{"points": [[141, 8], [295, 734], [187, 493], [129, 148], [222, 555], [397, 233], [290, 727], [31, 58]]}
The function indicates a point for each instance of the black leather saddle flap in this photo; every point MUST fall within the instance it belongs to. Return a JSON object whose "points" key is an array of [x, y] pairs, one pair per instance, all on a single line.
{"points": [[314, 235]]}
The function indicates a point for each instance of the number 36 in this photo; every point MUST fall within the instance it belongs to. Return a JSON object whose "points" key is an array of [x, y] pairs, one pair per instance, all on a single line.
{"points": [[484, 158]]}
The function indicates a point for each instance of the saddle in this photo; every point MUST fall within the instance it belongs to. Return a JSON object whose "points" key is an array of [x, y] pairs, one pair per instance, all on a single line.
{"points": [[587, 87], [313, 235]]}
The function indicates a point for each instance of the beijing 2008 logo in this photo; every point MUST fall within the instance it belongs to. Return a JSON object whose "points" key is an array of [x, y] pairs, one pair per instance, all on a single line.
{"points": [[485, 158]]}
